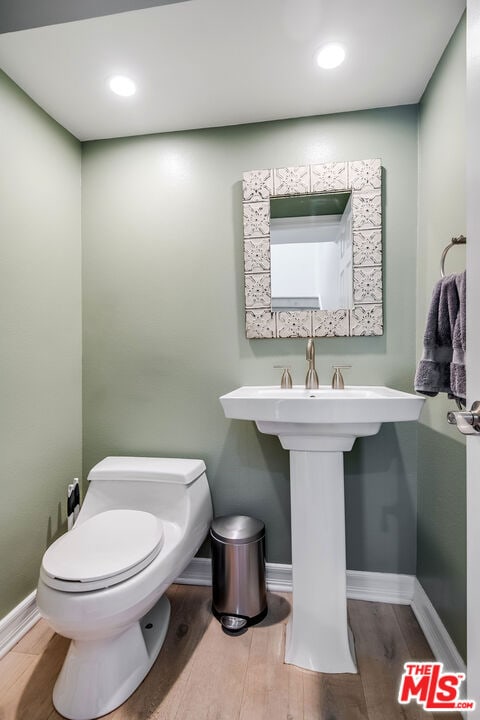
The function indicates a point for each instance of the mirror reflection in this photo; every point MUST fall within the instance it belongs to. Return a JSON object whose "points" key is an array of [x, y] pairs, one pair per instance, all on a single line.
{"points": [[311, 252]]}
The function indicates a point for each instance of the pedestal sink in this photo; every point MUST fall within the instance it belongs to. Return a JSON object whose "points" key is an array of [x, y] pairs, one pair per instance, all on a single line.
{"points": [[317, 427]]}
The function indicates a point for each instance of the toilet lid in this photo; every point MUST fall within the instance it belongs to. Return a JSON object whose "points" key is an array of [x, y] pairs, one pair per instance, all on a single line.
{"points": [[105, 549]]}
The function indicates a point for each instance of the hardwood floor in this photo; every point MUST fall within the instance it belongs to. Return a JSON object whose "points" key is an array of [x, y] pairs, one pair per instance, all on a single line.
{"points": [[202, 674]]}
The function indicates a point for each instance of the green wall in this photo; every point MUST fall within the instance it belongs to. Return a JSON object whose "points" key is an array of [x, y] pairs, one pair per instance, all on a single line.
{"points": [[441, 555], [164, 318], [40, 321]]}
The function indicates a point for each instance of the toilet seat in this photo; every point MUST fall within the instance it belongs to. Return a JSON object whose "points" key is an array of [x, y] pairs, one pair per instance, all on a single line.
{"points": [[106, 549]]}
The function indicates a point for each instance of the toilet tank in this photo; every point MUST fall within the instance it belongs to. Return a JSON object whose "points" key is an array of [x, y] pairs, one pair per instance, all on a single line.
{"points": [[175, 489]]}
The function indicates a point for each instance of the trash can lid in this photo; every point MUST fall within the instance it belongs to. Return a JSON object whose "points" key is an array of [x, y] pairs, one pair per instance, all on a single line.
{"points": [[237, 529]]}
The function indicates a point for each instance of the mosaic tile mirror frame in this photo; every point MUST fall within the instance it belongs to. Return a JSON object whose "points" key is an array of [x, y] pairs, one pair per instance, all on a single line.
{"points": [[363, 178]]}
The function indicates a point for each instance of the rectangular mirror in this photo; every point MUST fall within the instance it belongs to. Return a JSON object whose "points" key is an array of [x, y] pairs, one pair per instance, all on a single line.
{"points": [[313, 250]]}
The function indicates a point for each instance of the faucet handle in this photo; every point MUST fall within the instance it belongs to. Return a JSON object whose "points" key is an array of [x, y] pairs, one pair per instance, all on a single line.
{"points": [[286, 381], [337, 379]]}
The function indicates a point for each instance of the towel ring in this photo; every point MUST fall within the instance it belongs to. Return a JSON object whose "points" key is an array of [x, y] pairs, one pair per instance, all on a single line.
{"points": [[461, 240]]}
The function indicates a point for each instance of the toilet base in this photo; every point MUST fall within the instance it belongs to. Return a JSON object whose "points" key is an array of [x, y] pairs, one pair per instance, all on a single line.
{"points": [[99, 675]]}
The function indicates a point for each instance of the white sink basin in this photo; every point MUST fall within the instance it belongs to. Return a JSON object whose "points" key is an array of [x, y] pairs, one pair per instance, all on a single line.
{"points": [[317, 426], [322, 419]]}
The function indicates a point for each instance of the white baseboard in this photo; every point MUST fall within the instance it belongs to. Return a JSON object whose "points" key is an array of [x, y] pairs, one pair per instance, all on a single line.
{"points": [[434, 630], [380, 587], [198, 572], [18, 622], [278, 577], [377, 587]]}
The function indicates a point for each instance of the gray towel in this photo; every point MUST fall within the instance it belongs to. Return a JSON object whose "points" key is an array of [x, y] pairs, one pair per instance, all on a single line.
{"points": [[433, 372], [458, 384]]}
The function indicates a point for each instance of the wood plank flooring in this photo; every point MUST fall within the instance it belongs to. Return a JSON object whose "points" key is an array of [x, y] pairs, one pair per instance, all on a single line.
{"points": [[203, 674]]}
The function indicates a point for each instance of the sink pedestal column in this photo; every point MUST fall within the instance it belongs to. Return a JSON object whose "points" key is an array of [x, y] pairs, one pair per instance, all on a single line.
{"points": [[318, 637]]}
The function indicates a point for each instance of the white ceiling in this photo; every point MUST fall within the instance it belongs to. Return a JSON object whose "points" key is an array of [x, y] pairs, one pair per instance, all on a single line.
{"points": [[206, 63]]}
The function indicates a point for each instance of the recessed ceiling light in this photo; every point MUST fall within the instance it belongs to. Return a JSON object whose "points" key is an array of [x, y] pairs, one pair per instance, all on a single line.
{"points": [[121, 85], [330, 56]]}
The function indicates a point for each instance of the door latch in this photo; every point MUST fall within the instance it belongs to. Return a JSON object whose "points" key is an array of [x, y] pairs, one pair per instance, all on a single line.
{"points": [[467, 422]]}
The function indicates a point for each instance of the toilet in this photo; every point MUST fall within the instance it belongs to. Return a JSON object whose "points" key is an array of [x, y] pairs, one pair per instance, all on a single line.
{"points": [[102, 584]]}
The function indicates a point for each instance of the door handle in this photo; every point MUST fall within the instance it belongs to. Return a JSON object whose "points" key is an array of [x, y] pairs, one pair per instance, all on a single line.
{"points": [[467, 422]]}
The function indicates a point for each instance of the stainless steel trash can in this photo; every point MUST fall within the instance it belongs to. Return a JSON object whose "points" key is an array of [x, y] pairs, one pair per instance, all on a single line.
{"points": [[238, 571]]}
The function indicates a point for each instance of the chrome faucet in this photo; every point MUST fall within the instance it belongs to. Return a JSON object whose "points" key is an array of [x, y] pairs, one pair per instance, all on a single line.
{"points": [[311, 381]]}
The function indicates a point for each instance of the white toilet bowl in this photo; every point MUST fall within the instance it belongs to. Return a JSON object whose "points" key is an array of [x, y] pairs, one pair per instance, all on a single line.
{"points": [[102, 584]]}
